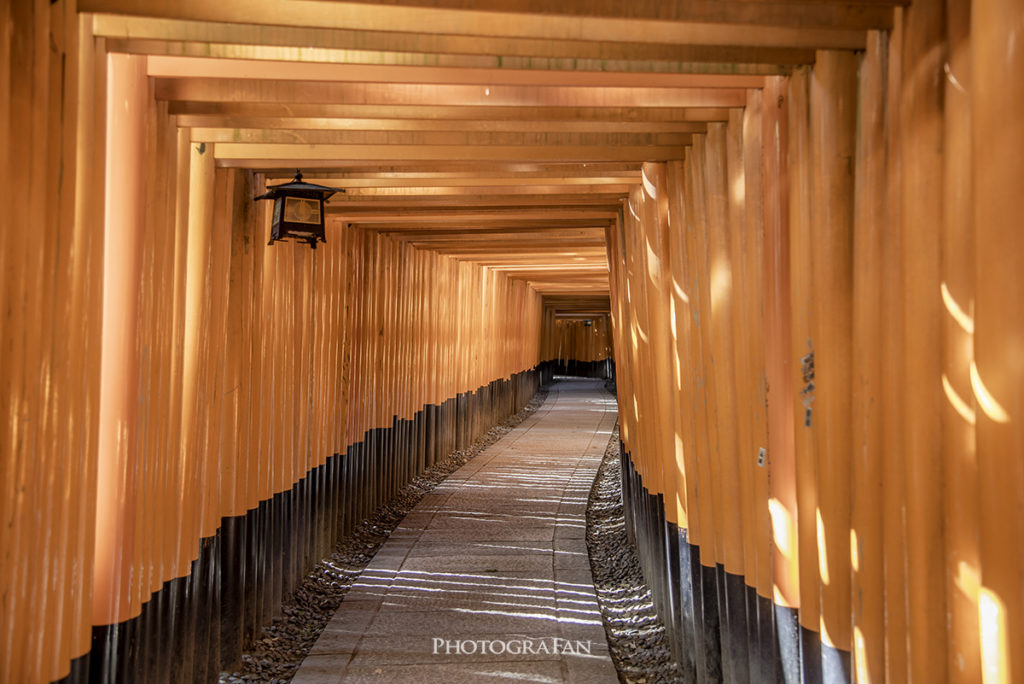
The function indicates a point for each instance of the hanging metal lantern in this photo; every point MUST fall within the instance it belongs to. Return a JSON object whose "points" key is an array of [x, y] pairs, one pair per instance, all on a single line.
{"points": [[298, 210]]}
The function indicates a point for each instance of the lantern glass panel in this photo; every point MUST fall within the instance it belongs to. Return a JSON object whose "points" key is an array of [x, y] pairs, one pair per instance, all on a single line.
{"points": [[302, 210]]}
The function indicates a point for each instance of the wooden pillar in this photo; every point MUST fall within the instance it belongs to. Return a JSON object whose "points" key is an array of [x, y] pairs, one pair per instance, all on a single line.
{"points": [[746, 341], [87, 301], [920, 136], [157, 530], [833, 130], [778, 356], [123, 231], [179, 477], [264, 272], [893, 491], [752, 258], [645, 441], [231, 227], [717, 323], [870, 232], [655, 232], [200, 227], [997, 377], [63, 436], [623, 342], [48, 403], [802, 357], [697, 380], [682, 301], [959, 408]]}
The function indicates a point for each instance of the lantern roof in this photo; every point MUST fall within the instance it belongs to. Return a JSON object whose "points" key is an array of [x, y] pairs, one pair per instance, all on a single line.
{"points": [[297, 187]]}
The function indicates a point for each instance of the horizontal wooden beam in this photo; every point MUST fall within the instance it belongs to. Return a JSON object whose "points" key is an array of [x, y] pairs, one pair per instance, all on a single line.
{"points": [[464, 181], [590, 300], [602, 190], [147, 35], [488, 237], [475, 214], [773, 61], [554, 303], [523, 249], [558, 270], [577, 302], [497, 234], [450, 112], [517, 170], [560, 275], [531, 258], [348, 212], [482, 24], [284, 155], [429, 125], [531, 252], [604, 202], [512, 258], [873, 14], [573, 287], [537, 253], [498, 268], [545, 288], [582, 286], [204, 67], [326, 92], [465, 139], [534, 250], [471, 226], [536, 269]]}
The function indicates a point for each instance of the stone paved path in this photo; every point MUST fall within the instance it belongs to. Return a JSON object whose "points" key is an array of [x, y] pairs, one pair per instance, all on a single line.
{"points": [[488, 578]]}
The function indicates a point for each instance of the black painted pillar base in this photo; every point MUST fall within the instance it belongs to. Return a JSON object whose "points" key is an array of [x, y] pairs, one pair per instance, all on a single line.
{"points": [[721, 629]]}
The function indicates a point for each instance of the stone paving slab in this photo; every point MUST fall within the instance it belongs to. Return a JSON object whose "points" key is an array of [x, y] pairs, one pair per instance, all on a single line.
{"points": [[488, 578]]}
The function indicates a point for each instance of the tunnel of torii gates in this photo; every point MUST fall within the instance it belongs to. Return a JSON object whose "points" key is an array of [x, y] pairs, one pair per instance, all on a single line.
{"points": [[793, 228]]}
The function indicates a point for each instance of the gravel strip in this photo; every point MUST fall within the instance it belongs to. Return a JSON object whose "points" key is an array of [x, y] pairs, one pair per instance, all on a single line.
{"points": [[287, 640], [636, 634]]}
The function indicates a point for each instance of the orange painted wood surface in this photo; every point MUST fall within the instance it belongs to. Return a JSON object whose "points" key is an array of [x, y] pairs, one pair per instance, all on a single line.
{"points": [[852, 213]]}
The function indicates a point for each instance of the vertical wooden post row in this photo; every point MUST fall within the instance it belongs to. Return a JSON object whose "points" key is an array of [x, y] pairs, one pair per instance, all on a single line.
{"points": [[577, 346], [190, 417], [875, 512]]}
